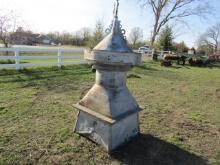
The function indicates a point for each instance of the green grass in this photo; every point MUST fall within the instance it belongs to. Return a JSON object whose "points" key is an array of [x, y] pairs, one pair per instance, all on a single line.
{"points": [[49, 60], [179, 122], [8, 61], [33, 61]]}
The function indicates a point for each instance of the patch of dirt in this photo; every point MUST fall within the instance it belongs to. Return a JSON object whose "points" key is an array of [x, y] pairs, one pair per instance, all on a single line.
{"points": [[147, 149], [218, 93], [197, 128], [196, 135], [133, 76], [84, 91], [181, 88], [36, 98]]}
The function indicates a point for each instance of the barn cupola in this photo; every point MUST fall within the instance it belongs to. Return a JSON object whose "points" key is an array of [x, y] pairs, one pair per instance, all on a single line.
{"points": [[108, 113]]}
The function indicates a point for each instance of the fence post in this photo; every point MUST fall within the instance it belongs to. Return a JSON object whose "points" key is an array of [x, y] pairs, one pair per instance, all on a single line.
{"points": [[59, 54], [162, 53], [152, 53], [17, 58]]}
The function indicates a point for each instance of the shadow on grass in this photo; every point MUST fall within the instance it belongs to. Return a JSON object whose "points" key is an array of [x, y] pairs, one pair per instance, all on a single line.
{"points": [[39, 70], [31, 75], [38, 77], [176, 67], [145, 67], [146, 149], [214, 65]]}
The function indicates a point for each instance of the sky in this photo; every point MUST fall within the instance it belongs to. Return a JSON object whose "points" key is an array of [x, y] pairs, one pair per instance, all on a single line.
{"points": [[44, 16]]}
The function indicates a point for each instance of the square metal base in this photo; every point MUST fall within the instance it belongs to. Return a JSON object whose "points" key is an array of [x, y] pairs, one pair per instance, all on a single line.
{"points": [[108, 133]]}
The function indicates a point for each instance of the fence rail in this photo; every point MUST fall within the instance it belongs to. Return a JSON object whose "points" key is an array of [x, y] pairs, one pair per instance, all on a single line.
{"points": [[150, 53], [60, 54]]}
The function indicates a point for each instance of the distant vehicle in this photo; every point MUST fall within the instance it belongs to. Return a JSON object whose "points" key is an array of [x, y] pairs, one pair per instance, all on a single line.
{"points": [[144, 49], [53, 44]]}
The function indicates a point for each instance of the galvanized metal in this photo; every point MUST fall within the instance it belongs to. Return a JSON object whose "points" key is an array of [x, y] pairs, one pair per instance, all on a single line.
{"points": [[108, 114], [115, 40]]}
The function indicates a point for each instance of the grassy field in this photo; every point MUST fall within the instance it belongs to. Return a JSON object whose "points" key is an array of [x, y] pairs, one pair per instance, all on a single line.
{"points": [[180, 121]]}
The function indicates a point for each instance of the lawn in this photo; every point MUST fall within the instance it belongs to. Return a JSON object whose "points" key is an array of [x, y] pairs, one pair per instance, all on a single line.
{"points": [[180, 121]]}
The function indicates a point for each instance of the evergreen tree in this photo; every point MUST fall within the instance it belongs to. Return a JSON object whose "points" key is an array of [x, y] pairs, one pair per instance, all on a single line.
{"points": [[165, 41]]}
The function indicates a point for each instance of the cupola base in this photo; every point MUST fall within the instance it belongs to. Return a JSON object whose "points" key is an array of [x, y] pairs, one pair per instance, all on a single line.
{"points": [[108, 133]]}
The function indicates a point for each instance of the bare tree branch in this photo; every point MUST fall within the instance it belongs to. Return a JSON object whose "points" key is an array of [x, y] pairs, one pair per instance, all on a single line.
{"points": [[136, 35], [166, 10], [8, 25], [211, 37]]}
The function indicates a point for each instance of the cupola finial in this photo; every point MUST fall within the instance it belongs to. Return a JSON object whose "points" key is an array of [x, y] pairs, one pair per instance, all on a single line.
{"points": [[116, 8]]}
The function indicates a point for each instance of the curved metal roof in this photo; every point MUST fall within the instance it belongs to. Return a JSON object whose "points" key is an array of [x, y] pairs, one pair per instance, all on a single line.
{"points": [[115, 41]]}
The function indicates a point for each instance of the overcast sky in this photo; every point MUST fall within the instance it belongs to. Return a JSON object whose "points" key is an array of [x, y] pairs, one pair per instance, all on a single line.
{"points": [[71, 15]]}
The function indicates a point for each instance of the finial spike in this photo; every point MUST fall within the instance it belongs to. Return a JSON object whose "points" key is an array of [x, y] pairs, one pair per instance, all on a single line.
{"points": [[116, 8]]}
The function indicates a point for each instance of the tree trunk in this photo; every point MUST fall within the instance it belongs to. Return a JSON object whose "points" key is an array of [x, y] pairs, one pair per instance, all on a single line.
{"points": [[216, 48], [6, 46], [153, 38]]}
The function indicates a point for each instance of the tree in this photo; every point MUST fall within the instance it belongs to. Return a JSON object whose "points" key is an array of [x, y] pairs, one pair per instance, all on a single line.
{"points": [[98, 34], [8, 25], [77, 39], [167, 10], [20, 29], [211, 37], [180, 47], [165, 41], [85, 35], [205, 49], [54, 36], [136, 36]]}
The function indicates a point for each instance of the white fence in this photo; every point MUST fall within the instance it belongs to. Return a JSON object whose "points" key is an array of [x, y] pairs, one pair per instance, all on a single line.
{"points": [[59, 54], [75, 55], [150, 53], [159, 53]]}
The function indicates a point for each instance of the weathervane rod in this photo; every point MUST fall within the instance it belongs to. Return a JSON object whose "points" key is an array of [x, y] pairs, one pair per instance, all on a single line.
{"points": [[116, 9]]}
